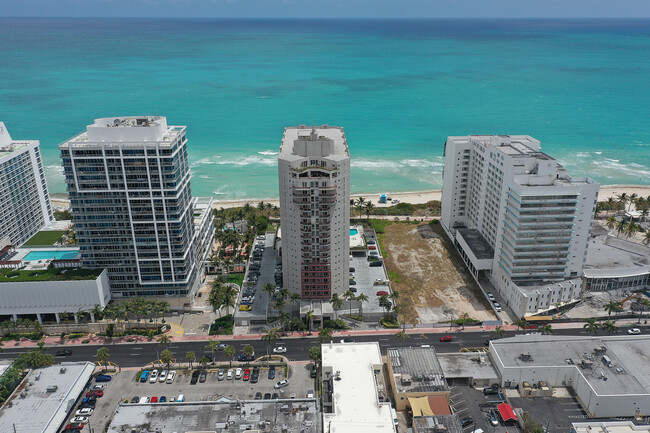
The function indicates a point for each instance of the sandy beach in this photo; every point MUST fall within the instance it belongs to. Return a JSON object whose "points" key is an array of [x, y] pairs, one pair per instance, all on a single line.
{"points": [[606, 191]]}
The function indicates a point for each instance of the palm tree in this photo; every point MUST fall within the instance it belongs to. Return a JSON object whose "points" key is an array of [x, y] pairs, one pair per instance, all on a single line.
{"points": [[401, 335], [621, 227], [325, 335], [190, 357], [521, 324], [611, 222], [248, 351], [102, 355], [294, 299], [314, 354], [229, 298], [610, 327], [622, 198], [361, 298], [229, 352], [646, 237], [547, 329], [336, 304], [631, 229], [349, 296], [499, 331], [360, 205], [592, 326], [612, 307], [369, 207], [203, 361], [164, 341], [212, 346], [309, 316], [632, 200], [95, 312], [270, 338], [166, 357]]}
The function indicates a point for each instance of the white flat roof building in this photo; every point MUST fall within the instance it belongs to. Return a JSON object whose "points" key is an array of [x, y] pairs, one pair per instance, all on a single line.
{"points": [[351, 400], [517, 217], [45, 402], [609, 375], [24, 199], [314, 179], [609, 427]]}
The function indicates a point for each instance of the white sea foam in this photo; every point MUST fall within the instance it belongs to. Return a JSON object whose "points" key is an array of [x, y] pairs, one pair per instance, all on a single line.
{"points": [[384, 164], [583, 154], [268, 152], [598, 153], [240, 162]]}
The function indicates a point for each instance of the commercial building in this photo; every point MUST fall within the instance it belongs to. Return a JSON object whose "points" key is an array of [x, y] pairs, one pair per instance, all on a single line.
{"points": [[314, 177], [24, 200], [353, 393], [290, 415], [44, 400], [128, 180], [517, 218], [437, 424], [415, 372], [608, 375], [609, 427]]}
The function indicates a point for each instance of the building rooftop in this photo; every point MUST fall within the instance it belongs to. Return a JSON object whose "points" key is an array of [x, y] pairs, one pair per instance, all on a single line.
{"points": [[432, 424], [475, 365], [355, 396], [49, 274], [321, 141], [416, 369], [609, 427], [42, 401], [295, 415], [609, 256], [477, 243], [628, 373], [8, 145]]}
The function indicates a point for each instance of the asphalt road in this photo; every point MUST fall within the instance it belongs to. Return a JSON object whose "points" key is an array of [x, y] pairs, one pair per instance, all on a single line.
{"points": [[138, 354]]}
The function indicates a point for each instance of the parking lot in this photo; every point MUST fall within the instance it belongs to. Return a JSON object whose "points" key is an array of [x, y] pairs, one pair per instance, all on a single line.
{"points": [[123, 387], [466, 401], [265, 274]]}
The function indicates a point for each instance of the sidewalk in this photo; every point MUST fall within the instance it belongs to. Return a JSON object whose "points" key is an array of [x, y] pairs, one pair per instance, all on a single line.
{"points": [[104, 341]]}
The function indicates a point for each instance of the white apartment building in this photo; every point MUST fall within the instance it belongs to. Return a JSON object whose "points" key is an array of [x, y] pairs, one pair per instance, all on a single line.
{"points": [[128, 180], [517, 218], [314, 174], [24, 200]]}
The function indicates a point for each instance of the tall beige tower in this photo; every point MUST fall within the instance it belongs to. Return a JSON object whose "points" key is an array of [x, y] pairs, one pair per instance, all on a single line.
{"points": [[314, 173]]}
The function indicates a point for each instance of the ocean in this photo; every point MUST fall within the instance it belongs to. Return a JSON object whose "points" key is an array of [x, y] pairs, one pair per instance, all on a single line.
{"points": [[398, 87]]}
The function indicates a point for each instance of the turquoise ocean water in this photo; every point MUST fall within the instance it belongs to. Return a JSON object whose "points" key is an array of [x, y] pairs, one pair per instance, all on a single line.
{"points": [[398, 87]]}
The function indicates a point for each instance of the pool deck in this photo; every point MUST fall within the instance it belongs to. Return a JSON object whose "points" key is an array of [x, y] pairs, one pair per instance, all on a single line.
{"points": [[21, 253], [357, 241]]}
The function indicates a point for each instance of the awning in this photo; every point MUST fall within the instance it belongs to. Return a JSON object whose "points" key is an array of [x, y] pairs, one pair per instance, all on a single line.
{"points": [[506, 412]]}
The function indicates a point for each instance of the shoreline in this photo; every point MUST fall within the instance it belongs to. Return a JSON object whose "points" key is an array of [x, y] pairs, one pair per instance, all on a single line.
{"points": [[414, 197]]}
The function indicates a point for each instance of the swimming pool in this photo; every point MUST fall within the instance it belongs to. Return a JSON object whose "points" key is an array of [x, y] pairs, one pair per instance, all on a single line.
{"points": [[354, 232], [50, 255]]}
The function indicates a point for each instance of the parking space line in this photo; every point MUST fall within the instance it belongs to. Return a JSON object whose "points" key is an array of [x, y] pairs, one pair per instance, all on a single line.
{"points": [[461, 410]]}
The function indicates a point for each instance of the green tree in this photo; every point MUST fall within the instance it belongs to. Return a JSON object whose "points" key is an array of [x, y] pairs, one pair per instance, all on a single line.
{"points": [[325, 335], [611, 222], [166, 357], [102, 356], [249, 351], [547, 329], [35, 358], [271, 336], [610, 327], [592, 326], [401, 335], [314, 354], [294, 299], [368, 209], [96, 312], [361, 298], [203, 361], [164, 341], [190, 357], [309, 318], [349, 296], [521, 324], [612, 307], [229, 352], [212, 346], [336, 304], [360, 205], [499, 331]]}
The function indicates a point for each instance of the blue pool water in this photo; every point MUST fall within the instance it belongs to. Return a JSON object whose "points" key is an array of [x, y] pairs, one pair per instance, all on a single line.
{"points": [[353, 232], [50, 254]]}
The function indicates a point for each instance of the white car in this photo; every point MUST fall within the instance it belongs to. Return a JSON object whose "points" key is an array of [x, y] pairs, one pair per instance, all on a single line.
{"points": [[86, 411], [154, 376], [171, 376], [280, 349], [310, 394], [83, 419], [282, 383], [163, 376], [229, 374], [634, 331], [144, 399], [97, 387], [238, 373], [221, 375]]}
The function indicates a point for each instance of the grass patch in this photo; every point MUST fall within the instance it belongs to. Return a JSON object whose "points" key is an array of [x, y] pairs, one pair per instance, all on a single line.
{"points": [[45, 238], [394, 277], [236, 279], [379, 226], [50, 274], [389, 323], [34, 336], [222, 326], [358, 317]]}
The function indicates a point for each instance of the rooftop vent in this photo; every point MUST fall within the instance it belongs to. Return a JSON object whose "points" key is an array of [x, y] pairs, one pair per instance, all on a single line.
{"points": [[63, 370], [526, 357]]}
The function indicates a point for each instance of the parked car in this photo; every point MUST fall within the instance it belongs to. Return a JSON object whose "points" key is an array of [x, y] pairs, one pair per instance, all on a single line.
{"points": [[467, 421], [347, 340], [370, 242], [272, 372], [310, 394], [63, 352], [634, 331], [144, 399], [145, 376], [267, 396], [238, 373], [493, 418], [95, 393], [135, 399], [94, 387], [490, 391], [382, 293], [75, 426], [352, 282], [221, 375], [274, 396], [154, 376], [255, 375], [353, 289], [446, 338], [171, 376], [103, 378], [376, 264], [372, 247], [195, 377], [247, 374], [258, 395], [292, 395], [203, 376], [312, 372], [244, 307], [282, 383], [244, 358], [163, 399], [351, 269], [163, 376], [154, 400], [280, 349], [86, 411]]}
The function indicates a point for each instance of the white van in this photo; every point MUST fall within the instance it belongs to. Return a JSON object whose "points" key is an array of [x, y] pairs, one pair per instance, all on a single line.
{"points": [[394, 414], [181, 398], [171, 376]]}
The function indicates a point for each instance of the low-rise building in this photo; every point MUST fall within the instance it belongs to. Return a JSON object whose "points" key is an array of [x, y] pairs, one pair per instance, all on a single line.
{"points": [[609, 427], [354, 397], [44, 400], [609, 375], [294, 415], [437, 424], [468, 368], [415, 372]]}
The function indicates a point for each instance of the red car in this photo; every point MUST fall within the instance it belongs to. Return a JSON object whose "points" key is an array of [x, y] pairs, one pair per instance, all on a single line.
{"points": [[247, 374], [382, 293], [154, 399], [75, 426], [446, 338], [372, 247], [95, 393]]}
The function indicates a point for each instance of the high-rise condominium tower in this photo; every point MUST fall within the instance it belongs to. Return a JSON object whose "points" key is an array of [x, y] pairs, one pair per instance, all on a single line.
{"points": [[314, 170], [24, 201], [517, 217], [129, 185]]}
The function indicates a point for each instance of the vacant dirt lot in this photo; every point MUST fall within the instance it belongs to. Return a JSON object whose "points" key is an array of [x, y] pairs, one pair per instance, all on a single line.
{"points": [[433, 283]]}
